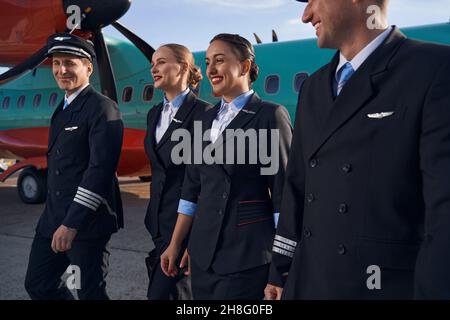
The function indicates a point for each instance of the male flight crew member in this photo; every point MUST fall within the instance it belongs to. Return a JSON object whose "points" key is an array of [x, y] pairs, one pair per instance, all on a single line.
{"points": [[83, 205], [366, 204]]}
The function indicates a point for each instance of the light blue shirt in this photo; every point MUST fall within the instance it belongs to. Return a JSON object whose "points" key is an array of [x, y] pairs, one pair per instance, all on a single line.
{"points": [[178, 100], [362, 56], [168, 113], [227, 112], [68, 99]]}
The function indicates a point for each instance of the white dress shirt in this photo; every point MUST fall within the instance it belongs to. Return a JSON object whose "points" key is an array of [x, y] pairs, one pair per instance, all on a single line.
{"points": [[68, 100], [362, 56], [227, 112], [168, 112]]}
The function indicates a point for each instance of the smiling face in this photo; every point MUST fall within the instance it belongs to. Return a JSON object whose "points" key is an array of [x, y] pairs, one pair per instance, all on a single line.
{"points": [[229, 77], [332, 20], [71, 72], [167, 73]]}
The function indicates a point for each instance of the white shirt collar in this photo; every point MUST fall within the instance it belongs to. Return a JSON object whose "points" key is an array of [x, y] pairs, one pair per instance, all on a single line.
{"points": [[75, 94], [359, 59]]}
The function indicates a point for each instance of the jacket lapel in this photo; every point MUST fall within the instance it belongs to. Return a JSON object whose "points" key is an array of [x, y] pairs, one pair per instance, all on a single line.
{"points": [[239, 122], [359, 89], [179, 119], [242, 118], [151, 131], [62, 117]]}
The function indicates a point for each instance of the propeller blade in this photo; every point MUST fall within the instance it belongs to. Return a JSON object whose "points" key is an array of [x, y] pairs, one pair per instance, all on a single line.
{"points": [[29, 64], [258, 39], [107, 80], [143, 46], [274, 36]]}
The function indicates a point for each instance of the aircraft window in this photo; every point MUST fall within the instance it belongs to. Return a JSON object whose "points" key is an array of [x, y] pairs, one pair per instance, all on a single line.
{"points": [[21, 102], [52, 100], [5, 104], [298, 80], [148, 92], [272, 84], [127, 94], [37, 100]]}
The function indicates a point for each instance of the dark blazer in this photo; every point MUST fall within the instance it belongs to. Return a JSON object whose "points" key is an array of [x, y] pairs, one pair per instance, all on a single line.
{"points": [[368, 180], [83, 152], [167, 177], [233, 226]]}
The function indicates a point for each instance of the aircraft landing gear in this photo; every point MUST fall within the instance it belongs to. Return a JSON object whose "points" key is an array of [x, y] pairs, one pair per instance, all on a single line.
{"points": [[32, 185]]}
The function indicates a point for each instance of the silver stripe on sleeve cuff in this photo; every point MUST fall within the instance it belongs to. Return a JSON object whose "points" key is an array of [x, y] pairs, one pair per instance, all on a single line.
{"points": [[283, 252], [92, 203], [88, 199], [84, 204], [90, 194], [284, 246], [286, 240]]}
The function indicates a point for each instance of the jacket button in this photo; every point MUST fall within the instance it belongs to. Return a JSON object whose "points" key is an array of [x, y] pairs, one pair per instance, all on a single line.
{"points": [[310, 197], [220, 212], [49, 153], [57, 193], [347, 167], [343, 208], [313, 163], [224, 195], [57, 172], [341, 249], [307, 233]]}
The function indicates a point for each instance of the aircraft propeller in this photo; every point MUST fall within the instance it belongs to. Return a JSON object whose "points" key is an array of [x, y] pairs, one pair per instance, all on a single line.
{"points": [[95, 16]]}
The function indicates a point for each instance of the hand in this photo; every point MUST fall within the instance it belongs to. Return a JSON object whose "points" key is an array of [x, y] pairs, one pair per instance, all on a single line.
{"points": [[186, 261], [168, 260], [272, 292], [62, 239]]}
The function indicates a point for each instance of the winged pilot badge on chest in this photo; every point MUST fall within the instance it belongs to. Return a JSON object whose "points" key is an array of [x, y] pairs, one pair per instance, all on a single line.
{"points": [[71, 128], [380, 115]]}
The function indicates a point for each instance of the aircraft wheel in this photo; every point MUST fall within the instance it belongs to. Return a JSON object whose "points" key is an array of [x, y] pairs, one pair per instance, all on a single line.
{"points": [[32, 186]]}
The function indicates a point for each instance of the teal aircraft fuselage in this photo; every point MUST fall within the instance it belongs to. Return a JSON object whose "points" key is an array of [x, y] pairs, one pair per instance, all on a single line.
{"points": [[26, 104]]}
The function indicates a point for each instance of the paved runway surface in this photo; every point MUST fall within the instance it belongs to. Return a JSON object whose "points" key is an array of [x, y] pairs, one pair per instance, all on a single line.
{"points": [[128, 276]]}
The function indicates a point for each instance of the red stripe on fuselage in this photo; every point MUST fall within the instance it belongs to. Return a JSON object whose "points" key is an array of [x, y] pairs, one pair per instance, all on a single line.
{"points": [[32, 142]]}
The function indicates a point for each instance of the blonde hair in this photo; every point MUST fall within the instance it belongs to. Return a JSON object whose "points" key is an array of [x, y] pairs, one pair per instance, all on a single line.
{"points": [[184, 55]]}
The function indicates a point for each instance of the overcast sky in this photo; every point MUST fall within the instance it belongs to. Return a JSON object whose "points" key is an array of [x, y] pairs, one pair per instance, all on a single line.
{"points": [[194, 22]]}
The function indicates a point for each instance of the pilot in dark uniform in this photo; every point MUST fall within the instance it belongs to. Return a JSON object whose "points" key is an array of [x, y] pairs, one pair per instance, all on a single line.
{"points": [[174, 71], [366, 204], [83, 206], [232, 203]]}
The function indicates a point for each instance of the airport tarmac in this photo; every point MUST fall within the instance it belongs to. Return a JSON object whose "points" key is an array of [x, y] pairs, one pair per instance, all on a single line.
{"points": [[127, 279]]}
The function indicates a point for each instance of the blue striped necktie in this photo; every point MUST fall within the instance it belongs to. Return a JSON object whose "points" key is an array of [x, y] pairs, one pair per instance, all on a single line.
{"points": [[65, 104], [344, 75]]}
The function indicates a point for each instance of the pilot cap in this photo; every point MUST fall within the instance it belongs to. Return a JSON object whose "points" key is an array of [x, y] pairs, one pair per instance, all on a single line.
{"points": [[68, 43]]}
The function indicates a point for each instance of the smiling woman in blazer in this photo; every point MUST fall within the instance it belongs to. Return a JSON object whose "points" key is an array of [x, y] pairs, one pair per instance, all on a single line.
{"points": [[231, 205], [174, 72]]}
